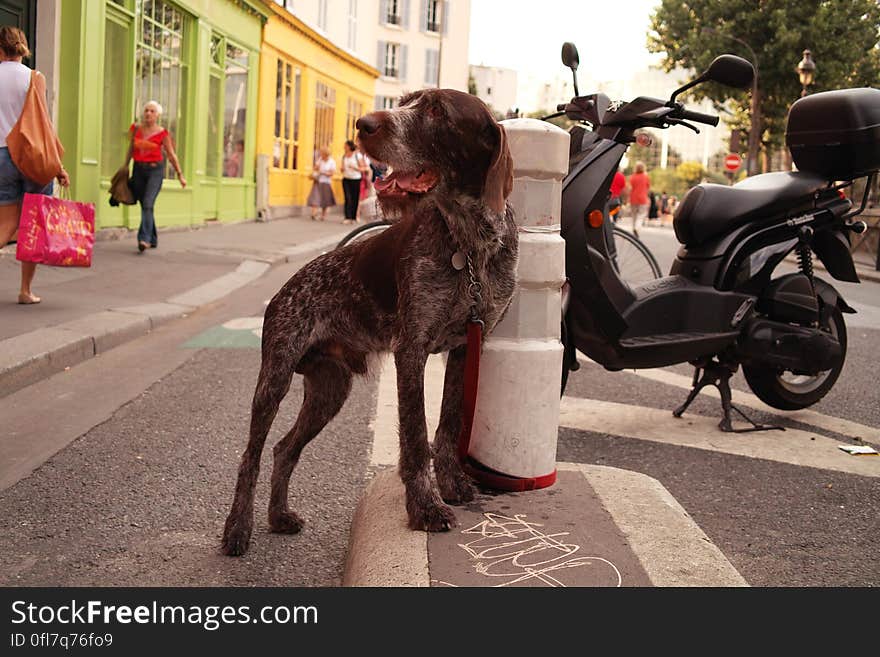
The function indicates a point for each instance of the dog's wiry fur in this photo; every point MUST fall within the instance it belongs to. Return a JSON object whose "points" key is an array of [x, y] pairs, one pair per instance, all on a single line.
{"points": [[396, 292]]}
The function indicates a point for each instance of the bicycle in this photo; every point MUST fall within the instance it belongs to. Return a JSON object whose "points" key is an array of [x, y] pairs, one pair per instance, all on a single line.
{"points": [[632, 259]]}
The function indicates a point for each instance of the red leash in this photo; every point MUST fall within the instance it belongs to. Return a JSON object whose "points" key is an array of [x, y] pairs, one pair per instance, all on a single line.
{"points": [[478, 471]]}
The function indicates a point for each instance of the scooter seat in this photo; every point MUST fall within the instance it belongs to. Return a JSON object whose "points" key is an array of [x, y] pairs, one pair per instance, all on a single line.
{"points": [[709, 210]]}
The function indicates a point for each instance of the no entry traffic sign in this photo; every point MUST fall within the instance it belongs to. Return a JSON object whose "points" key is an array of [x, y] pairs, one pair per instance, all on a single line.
{"points": [[732, 162]]}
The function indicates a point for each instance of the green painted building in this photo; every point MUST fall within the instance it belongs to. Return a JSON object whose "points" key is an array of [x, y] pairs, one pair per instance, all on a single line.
{"points": [[200, 60]]}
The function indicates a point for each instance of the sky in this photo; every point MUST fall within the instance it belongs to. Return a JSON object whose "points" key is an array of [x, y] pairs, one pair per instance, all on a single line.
{"points": [[528, 36]]}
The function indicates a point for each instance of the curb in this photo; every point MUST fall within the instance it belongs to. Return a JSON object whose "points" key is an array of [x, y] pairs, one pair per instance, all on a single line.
{"points": [[673, 550], [31, 357]]}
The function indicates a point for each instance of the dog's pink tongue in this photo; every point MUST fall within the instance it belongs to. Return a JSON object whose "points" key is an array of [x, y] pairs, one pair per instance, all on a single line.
{"points": [[396, 184]]}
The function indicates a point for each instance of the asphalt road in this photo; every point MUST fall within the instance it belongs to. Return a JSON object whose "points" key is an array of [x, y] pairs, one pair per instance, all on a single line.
{"points": [[156, 429]]}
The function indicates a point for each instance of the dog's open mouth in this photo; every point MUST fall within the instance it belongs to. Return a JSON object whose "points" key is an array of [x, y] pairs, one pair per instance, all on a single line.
{"points": [[401, 183]]}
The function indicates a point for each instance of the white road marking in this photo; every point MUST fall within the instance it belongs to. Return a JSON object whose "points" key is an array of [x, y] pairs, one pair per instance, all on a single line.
{"points": [[801, 448], [805, 416]]}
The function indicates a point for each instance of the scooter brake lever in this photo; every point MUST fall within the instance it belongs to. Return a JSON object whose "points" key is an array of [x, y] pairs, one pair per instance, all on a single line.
{"points": [[684, 123]]}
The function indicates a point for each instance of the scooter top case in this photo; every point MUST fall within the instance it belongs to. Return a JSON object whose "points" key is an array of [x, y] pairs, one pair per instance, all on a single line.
{"points": [[836, 134]]}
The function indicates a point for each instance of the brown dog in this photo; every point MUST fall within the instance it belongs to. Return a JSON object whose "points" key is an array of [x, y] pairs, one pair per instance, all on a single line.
{"points": [[401, 291]]}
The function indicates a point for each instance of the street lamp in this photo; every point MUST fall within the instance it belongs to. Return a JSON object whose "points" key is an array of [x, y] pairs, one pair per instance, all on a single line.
{"points": [[806, 69], [754, 106]]}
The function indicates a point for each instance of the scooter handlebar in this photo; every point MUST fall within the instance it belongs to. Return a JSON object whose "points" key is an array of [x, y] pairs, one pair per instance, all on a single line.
{"points": [[697, 117]]}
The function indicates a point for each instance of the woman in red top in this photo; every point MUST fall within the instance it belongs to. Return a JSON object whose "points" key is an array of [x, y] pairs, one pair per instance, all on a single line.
{"points": [[639, 184], [148, 141]]}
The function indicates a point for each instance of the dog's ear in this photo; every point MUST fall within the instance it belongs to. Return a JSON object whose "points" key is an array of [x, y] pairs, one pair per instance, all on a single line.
{"points": [[499, 177]]}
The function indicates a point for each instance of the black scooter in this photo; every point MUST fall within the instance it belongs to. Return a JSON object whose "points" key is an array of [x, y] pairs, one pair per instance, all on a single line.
{"points": [[721, 306]]}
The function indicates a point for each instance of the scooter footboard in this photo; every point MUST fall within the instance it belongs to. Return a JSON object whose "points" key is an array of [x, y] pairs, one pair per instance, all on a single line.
{"points": [[675, 304]]}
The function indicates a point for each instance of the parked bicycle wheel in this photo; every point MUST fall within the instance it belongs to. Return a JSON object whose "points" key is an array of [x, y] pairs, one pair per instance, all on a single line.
{"points": [[364, 232], [633, 260]]}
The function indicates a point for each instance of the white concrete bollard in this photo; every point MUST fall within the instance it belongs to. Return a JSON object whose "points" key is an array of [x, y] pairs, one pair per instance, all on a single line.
{"points": [[517, 409]]}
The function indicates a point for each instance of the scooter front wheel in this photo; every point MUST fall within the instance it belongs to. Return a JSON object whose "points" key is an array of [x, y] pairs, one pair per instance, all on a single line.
{"points": [[788, 391]]}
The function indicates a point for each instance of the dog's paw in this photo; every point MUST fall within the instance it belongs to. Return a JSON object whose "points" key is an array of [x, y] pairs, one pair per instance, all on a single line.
{"points": [[456, 489], [433, 518], [285, 522], [236, 538]]}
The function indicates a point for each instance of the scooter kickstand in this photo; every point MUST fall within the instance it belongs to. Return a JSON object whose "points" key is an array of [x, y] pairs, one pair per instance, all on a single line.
{"points": [[718, 375]]}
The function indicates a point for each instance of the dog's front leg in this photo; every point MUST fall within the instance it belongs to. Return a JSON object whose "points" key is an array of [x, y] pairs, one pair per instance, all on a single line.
{"points": [[424, 506], [455, 486]]}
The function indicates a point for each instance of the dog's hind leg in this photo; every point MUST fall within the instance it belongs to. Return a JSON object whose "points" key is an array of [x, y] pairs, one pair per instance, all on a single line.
{"points": [[272, 385], [424, 506], [455, 486], [327, 384]]}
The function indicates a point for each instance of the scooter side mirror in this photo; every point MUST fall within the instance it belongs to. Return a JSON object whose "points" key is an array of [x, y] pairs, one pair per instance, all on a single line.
{"points": [[570, 58], [728, 70], [731, 71], [570, 55]]}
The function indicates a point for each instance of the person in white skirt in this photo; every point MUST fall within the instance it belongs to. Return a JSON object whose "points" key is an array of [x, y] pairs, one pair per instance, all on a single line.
{"points": [[321, 197]]}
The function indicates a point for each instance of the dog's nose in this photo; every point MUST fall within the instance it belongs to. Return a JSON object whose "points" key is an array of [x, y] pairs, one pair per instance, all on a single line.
{"points": [[368, 124]]}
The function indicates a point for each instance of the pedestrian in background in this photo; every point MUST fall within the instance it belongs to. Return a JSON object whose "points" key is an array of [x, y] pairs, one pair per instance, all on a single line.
{"points": [[618, 184], [353, 171], [321, 197], [15, 80], [639, 184], [150, 143]]}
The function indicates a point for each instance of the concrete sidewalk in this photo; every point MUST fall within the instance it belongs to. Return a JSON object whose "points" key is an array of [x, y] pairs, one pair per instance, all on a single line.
{"points": [[124, 294]]}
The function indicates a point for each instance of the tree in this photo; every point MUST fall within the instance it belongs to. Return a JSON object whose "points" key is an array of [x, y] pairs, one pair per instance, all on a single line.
{"points": [[844, 38], [690, 173]]}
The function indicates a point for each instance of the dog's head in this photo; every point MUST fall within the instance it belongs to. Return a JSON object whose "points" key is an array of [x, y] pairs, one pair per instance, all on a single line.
{"points": [[439, 141]]}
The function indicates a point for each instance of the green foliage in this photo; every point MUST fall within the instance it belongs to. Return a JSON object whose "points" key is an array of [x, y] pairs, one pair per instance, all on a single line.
{"points": [[690, 173], [843, 35]]}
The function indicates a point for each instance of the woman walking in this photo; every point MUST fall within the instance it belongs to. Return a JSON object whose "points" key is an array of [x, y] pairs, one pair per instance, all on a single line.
{"points": [[150, 143], [321, 197], [639, 185], [15, 80], [354, 167]]}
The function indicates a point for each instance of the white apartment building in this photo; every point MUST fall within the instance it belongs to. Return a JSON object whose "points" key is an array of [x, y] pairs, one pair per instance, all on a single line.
{"points": [[497, 87], [414, 43]]}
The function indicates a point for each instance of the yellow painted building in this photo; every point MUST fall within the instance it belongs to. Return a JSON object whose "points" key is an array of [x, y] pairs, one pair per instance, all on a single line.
{"points": [[311, 93]]}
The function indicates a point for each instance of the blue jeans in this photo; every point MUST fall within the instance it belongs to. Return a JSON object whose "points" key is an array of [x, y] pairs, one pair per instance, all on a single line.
{"points": [[13, 185], [146, 181]]}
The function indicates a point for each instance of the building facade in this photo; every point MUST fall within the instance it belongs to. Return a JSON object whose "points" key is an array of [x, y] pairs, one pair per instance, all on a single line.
{"points": [[413, 44], [497, 87], [200, 60]]}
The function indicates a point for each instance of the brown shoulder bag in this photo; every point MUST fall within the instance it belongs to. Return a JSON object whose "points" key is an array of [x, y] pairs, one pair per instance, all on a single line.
{"points": [[33, 144]]}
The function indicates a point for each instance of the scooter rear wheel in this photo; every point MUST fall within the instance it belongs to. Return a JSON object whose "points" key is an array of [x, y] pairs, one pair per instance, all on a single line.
{"points": [[790, 392]]}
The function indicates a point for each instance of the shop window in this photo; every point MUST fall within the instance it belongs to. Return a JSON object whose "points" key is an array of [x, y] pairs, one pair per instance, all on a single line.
{"points": [[161, 74], [325, 109], [235, 114], [285, 148], [215, 111], [116, 80], [355, 111]]}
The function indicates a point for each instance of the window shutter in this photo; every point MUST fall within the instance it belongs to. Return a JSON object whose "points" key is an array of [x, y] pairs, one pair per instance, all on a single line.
{"points": [[402, 65], [444, 18], [383, 12], [404, 15], [379, 102], [423, 20], [427, 67], [380, 57]]}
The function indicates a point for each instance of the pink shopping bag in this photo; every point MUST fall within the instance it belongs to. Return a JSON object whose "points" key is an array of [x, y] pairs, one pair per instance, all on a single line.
{"points": [[55, 231]]}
